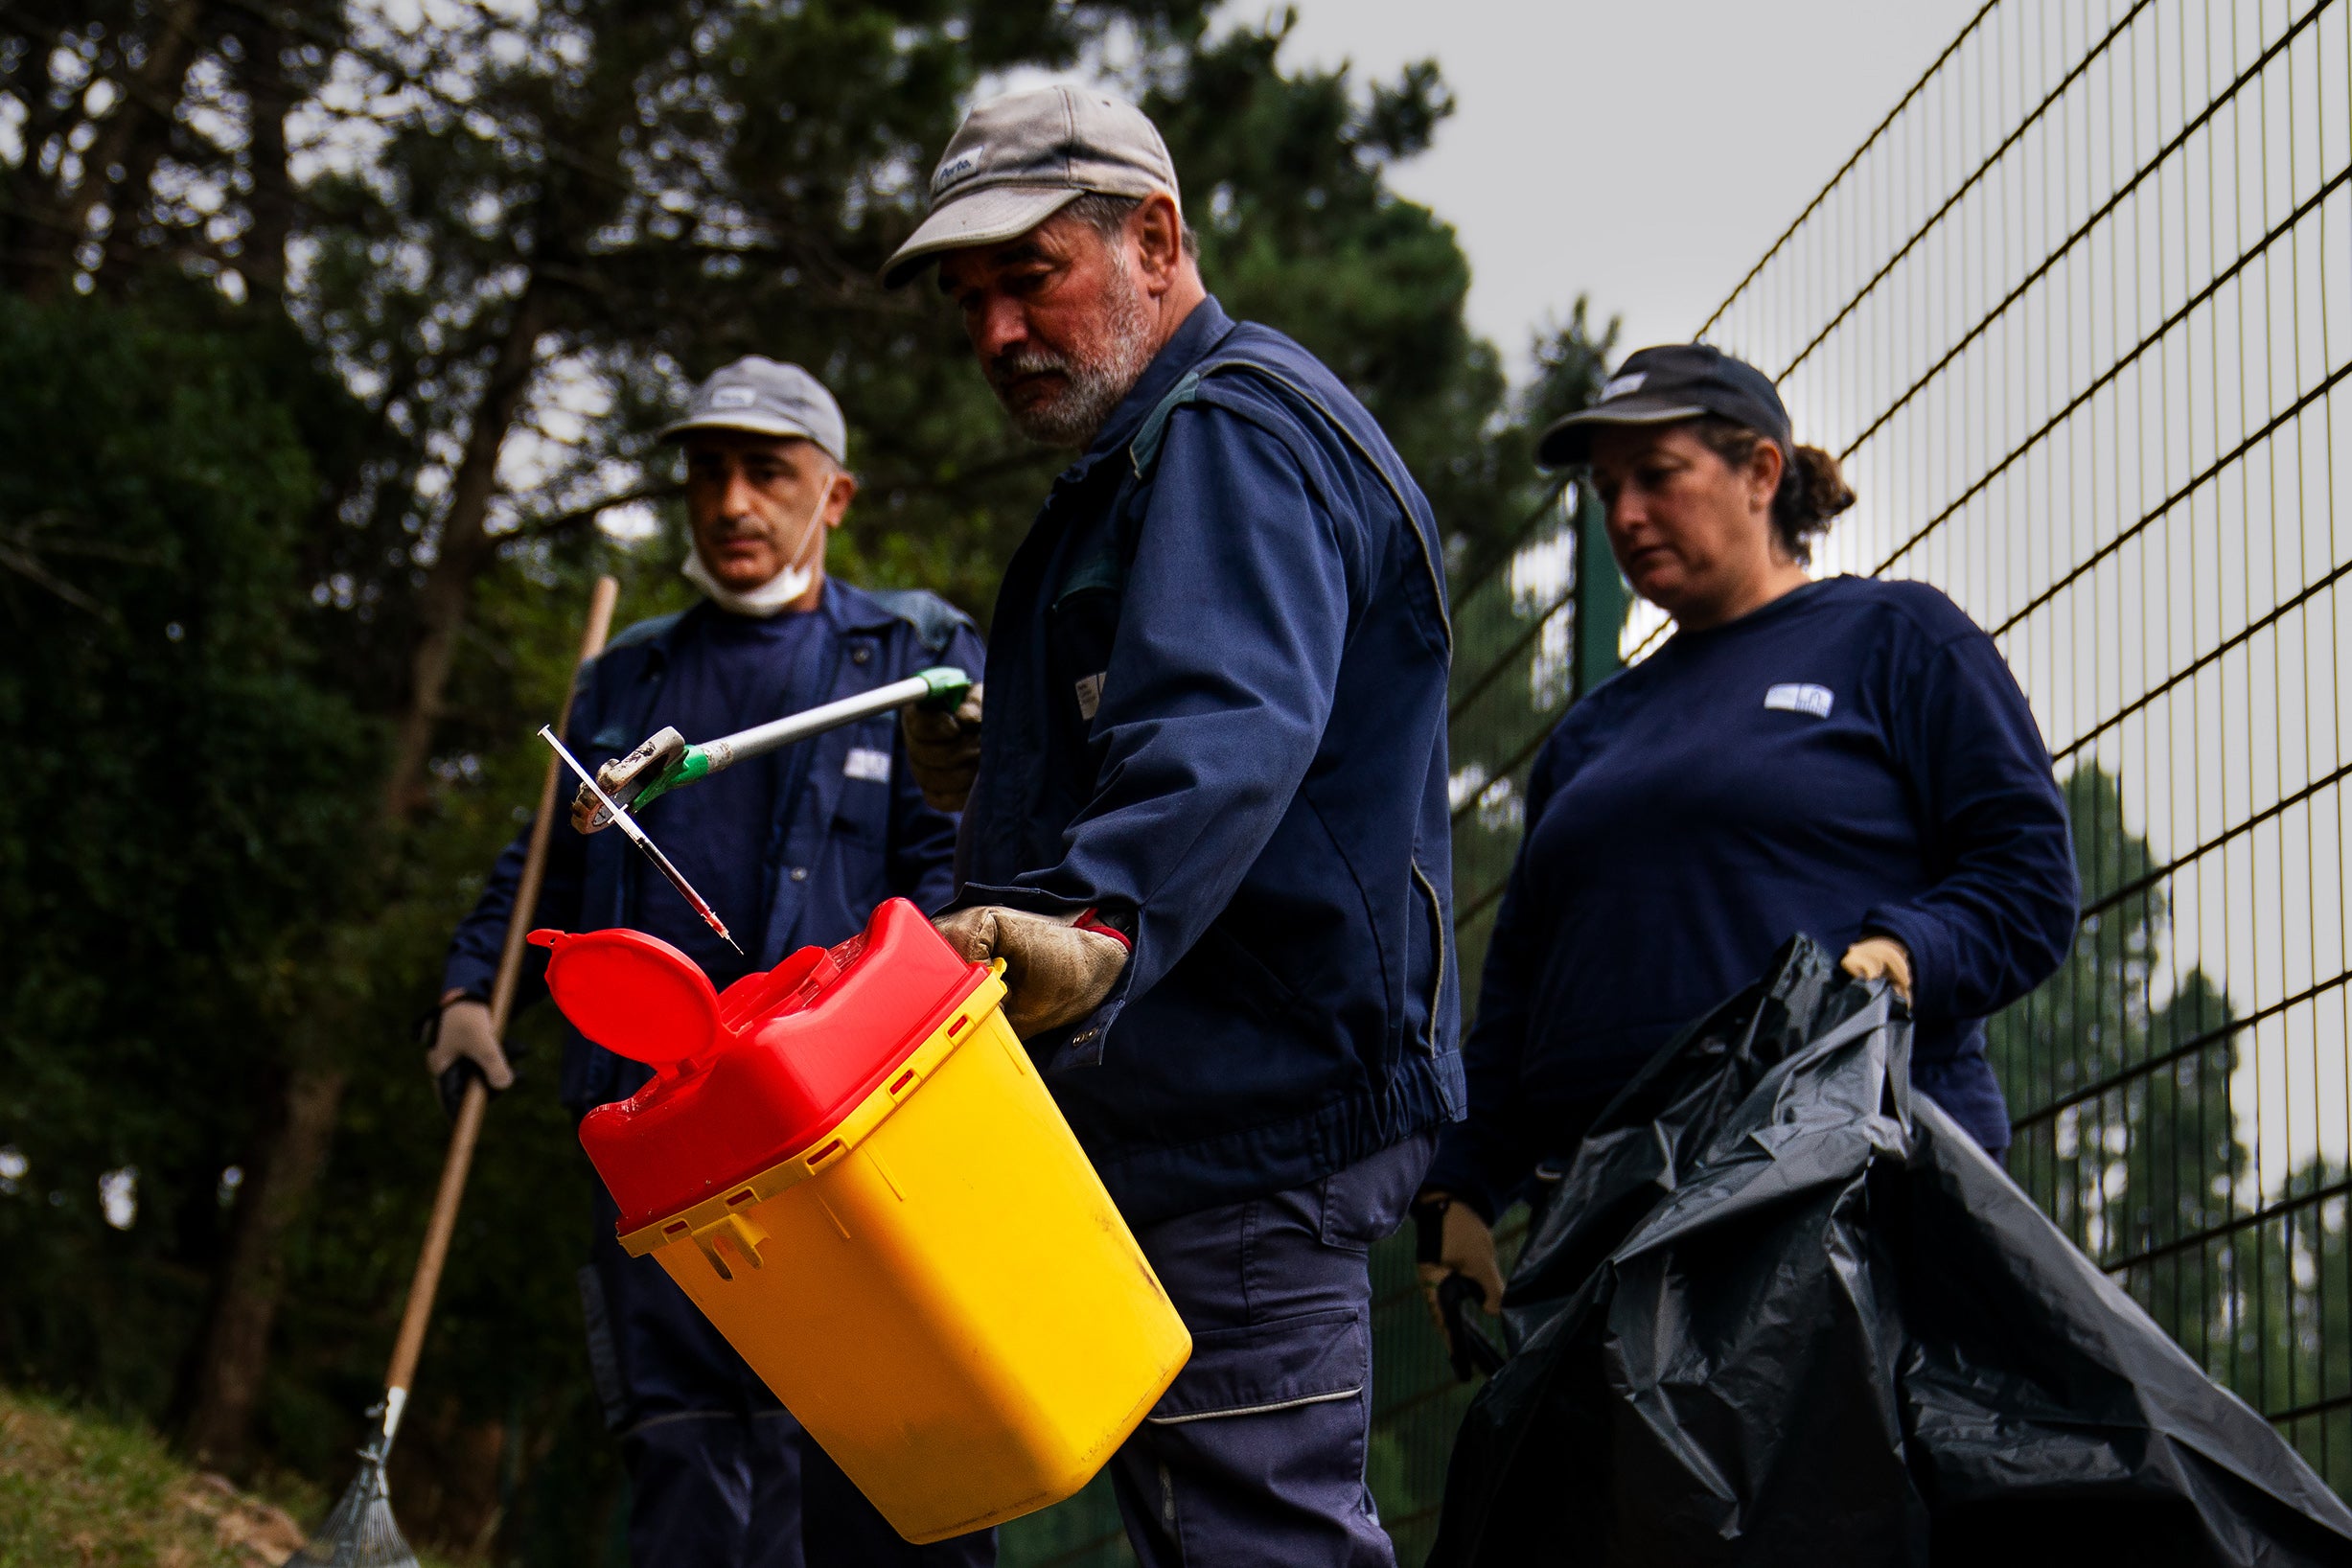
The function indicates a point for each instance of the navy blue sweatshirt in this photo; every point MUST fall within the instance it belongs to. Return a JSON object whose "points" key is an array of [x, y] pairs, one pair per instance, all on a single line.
{"points": [[1853, 759]]}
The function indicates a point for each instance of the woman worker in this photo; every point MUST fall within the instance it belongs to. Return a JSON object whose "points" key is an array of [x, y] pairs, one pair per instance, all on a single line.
{"points": [[1848, 758]]}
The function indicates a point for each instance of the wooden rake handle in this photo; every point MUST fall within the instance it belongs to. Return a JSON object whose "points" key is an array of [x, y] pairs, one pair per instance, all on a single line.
{"points": [[425, 1283]]}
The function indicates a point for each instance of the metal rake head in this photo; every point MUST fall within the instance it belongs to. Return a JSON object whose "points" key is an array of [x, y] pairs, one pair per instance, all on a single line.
{"points": [[359, 1533]]}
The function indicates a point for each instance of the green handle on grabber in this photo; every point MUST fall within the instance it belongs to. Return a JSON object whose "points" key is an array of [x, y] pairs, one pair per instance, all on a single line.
{"points": [[942, 686]]}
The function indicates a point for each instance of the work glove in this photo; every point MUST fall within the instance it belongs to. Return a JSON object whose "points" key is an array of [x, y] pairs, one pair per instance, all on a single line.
{"points": [[1056, 970], [623, 777], [464, 1040], [943, 748], [1881, 958], [1463, 1244]]}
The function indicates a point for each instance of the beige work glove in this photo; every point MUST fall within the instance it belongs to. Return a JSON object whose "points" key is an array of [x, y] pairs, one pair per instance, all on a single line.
{"points": [[623, 777], [1467, 1247], [466, 1035], [1054, 973], [943, 748], [1881, 958]]}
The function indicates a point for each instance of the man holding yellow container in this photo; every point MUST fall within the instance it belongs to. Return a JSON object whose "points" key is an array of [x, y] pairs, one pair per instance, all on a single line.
{"points": [[1209, 832]]}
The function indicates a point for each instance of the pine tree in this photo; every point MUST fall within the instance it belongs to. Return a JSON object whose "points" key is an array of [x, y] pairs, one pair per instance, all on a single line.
{"points": [[2121, 1095]]}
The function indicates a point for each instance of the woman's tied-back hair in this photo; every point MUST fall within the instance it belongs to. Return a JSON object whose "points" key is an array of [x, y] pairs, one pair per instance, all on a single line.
{"points": [[1813, 488]]}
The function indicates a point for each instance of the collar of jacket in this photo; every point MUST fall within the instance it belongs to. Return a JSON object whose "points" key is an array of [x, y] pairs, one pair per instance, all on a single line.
{"points": [[845, 607], [1191, 342]]}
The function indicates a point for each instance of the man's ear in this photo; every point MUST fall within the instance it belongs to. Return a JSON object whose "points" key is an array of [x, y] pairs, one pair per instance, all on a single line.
{"points": [[1157, 228], [836, 503]]}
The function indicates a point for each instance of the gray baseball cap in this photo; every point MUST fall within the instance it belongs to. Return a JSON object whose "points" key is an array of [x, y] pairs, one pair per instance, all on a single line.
{"points": [[1017, 160], [767, 397]]}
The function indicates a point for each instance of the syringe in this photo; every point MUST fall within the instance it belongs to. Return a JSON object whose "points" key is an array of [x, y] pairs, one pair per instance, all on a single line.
{"points": [[636, 836]]}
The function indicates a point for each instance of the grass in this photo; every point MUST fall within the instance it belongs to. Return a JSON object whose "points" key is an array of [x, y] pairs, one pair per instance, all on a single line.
{"points": [[78, 1490]]}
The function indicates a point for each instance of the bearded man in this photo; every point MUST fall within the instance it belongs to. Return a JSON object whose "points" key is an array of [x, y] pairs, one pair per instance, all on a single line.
{"points": [[795, 849], [1209, 833]]}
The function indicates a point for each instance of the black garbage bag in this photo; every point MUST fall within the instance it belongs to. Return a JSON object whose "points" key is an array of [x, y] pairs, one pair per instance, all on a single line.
{"points": [[1781, 1311]]}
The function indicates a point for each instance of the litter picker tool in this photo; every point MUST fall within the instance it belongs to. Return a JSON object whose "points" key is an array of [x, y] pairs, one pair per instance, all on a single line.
{"points": [[665, 762], [360, 1531], [637, 836]]}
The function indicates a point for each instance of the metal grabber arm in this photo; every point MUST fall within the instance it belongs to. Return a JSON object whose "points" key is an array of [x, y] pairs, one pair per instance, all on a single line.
{"points": [[664, 761]]}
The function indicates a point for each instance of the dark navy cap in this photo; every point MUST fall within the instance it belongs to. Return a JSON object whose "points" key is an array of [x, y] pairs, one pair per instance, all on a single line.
{"points": [[1673, 382]]}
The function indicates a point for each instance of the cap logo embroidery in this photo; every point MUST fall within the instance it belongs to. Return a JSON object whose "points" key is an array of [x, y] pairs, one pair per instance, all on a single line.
{"points": [[1799, 696], [1620, 386], [955, 169], [735, 397]]}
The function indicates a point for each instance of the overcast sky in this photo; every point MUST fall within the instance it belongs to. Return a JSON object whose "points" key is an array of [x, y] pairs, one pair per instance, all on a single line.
{"points": [[1643, 153]]}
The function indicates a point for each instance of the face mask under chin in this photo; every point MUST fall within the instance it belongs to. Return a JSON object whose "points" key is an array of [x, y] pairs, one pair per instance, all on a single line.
{"points": [[779, 592]]}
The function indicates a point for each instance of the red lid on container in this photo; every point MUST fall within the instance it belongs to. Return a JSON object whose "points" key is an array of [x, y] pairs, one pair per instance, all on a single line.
{"points": [[633, 993], [745, 1079]]}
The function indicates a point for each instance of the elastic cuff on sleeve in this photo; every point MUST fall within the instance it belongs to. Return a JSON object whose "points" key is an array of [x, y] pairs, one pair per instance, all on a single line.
{"points": [[1027, 900], [473, 978]]}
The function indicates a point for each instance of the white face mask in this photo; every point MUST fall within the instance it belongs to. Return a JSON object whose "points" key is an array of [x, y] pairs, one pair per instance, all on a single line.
{"points": [[779, 592]]}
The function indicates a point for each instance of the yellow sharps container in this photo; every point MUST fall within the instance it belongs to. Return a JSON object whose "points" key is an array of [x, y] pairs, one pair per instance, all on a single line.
{"points": [[851, 1167]]}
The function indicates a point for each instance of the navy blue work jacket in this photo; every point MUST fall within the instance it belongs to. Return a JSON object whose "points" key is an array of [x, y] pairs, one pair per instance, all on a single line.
{"points": [[1216, 711], [844, 843]]}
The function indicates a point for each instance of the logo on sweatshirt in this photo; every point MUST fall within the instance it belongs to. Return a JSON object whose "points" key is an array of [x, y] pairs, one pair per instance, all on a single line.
{"points": [[1799, 696]]}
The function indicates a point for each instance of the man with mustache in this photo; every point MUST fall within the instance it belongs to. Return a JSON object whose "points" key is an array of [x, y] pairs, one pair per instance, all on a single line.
{"points": [[1209, 833], [793, 849]]}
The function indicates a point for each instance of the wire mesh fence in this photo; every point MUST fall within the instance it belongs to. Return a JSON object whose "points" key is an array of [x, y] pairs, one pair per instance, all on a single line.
{"points": [[2076, 316], [1515, 675]]}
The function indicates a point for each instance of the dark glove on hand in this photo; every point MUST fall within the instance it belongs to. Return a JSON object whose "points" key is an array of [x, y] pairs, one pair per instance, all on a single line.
{"points": [[943, 748]]}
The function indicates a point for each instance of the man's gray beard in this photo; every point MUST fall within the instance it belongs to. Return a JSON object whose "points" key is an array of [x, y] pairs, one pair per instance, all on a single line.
{"points": [[1097, 380]]}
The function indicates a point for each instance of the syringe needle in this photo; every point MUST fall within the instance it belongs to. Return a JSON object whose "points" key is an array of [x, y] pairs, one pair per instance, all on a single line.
{"points": [[637, 836]]}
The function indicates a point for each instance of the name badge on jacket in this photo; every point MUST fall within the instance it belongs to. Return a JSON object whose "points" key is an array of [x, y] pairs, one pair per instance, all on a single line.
{"points": [[1798, 696], [867, 763]]}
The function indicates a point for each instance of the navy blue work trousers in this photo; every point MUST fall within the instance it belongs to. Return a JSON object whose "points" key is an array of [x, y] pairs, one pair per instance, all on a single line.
{"points": [[720, 1474], [1256, 1454]]}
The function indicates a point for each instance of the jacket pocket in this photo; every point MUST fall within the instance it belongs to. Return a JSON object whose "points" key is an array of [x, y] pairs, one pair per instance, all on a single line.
{"points": [[1222, 966], [1314, 1358], [1427, 892]]}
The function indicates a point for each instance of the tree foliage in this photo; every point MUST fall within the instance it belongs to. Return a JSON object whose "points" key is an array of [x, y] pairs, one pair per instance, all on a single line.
{"points": [[335, 340], [2125, 1075], [179, 805]]}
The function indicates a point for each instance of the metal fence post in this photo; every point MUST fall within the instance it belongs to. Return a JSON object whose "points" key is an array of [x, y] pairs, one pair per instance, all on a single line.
{"points": [[1603, 599]]}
